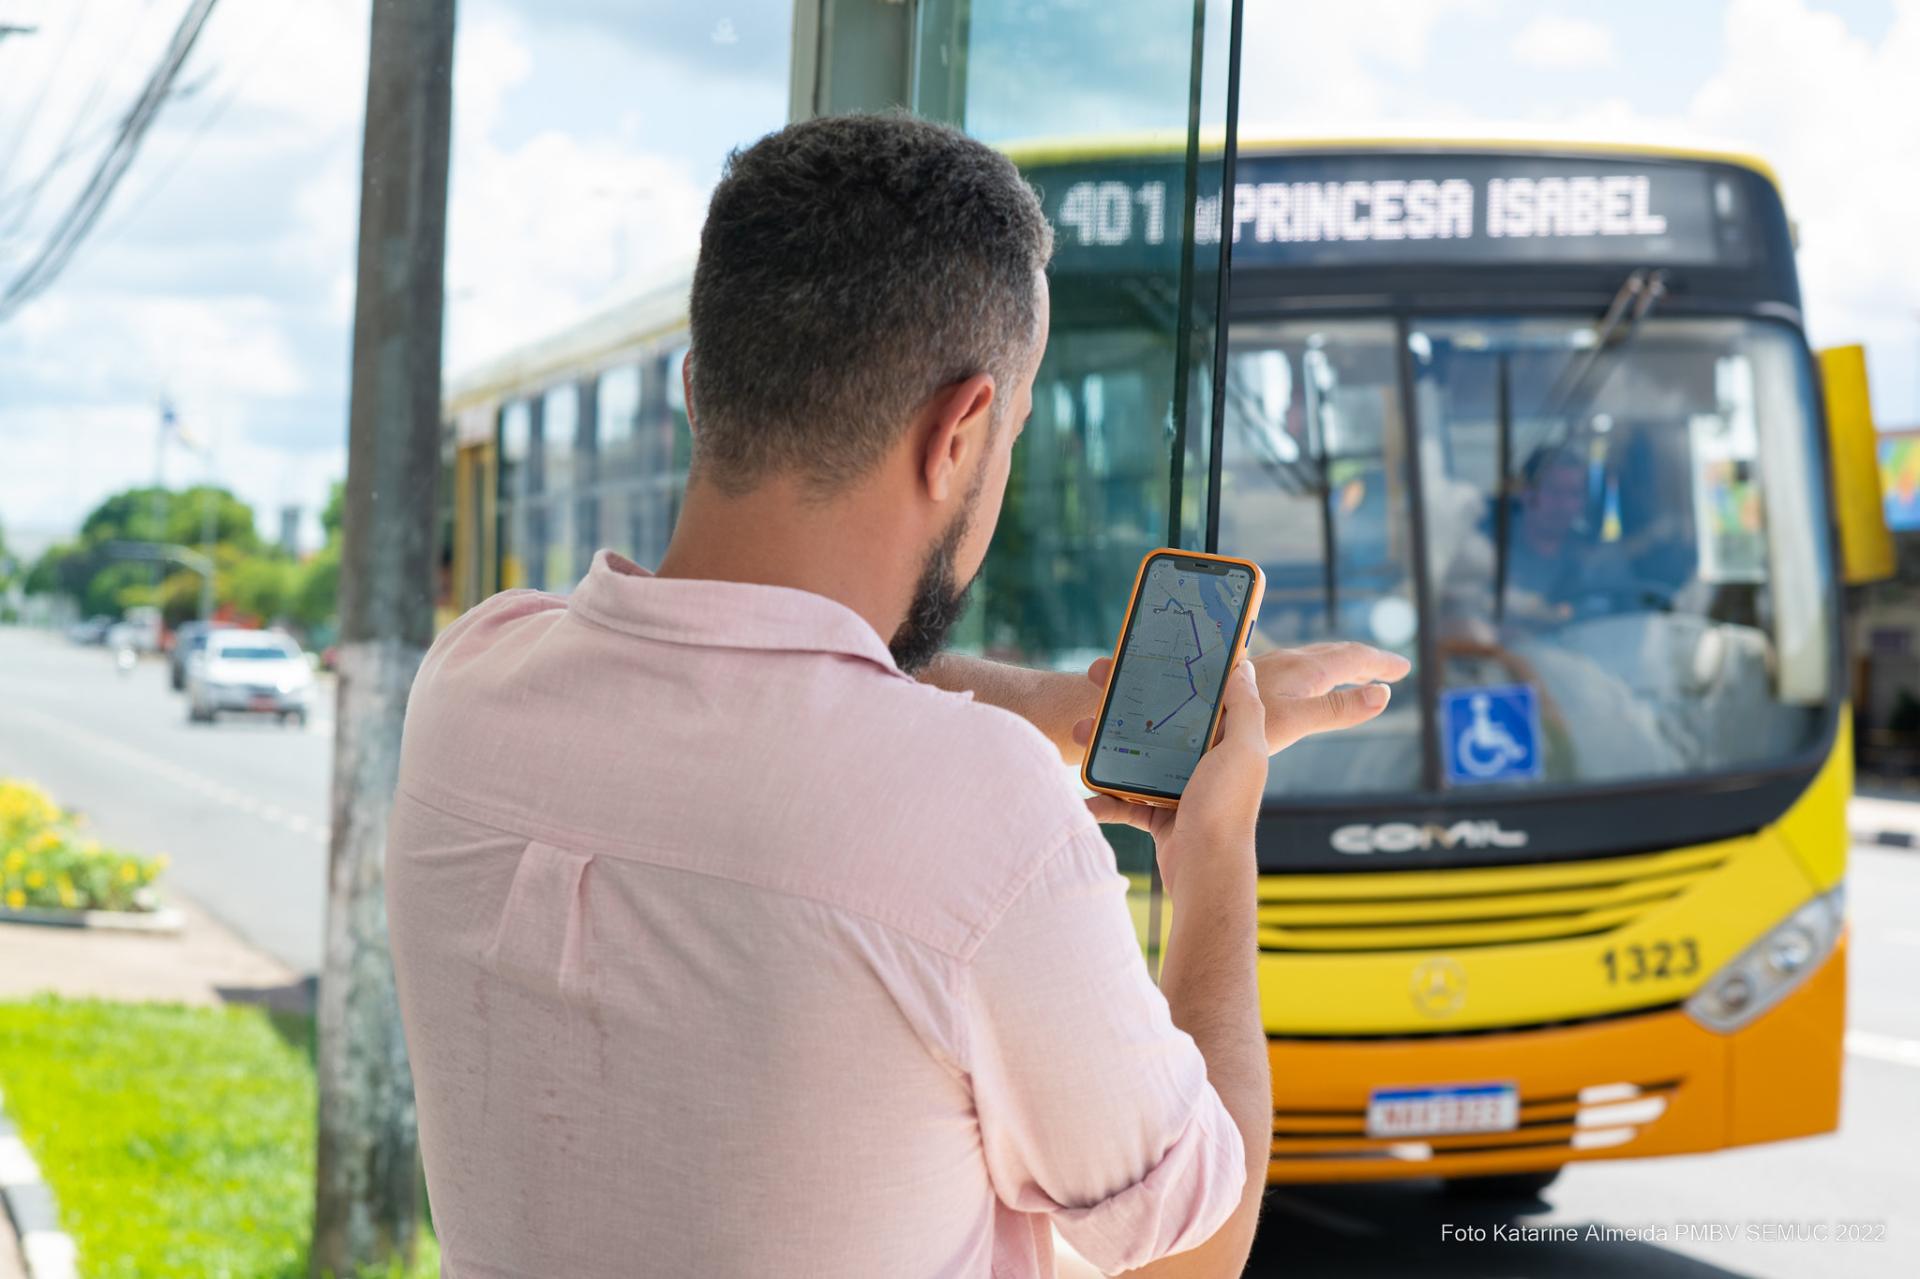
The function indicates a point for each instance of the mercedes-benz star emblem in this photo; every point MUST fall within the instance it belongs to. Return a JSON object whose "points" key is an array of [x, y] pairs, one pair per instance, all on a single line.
{"points": [[1439, 986]]}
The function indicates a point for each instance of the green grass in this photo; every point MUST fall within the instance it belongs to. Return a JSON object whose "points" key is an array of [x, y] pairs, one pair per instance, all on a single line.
{"points": [[179, 1141]]}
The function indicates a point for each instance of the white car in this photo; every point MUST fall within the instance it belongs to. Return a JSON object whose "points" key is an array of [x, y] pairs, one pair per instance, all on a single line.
{"points": [[256, 671]]}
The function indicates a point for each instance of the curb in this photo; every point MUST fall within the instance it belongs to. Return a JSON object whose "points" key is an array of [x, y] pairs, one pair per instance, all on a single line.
{"points": [[47, 1250], [164, 921]]}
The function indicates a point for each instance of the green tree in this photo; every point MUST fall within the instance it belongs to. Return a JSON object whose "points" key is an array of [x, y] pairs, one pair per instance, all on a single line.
{"points": [[150, 514], [264, 586], [334, 513], [316, 596], [177, 596], [65, 568], [115, 585], [102, 581]]}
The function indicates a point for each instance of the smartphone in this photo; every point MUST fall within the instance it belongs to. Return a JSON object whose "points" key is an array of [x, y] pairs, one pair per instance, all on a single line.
{"points": [[1186, 628]]}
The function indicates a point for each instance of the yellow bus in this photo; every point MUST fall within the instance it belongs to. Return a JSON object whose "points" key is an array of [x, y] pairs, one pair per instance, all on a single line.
{"points": [[1542, 417]]}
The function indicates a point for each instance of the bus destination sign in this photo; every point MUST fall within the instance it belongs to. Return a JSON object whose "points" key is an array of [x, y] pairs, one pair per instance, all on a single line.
{"points": [[1359, 210]]}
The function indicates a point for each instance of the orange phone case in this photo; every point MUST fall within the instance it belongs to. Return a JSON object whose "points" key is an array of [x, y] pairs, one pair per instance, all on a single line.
{"points": [[1126, 623]]}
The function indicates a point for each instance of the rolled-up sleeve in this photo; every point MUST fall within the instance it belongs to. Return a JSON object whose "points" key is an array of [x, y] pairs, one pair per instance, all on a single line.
{"points": [[1094, 1108]]}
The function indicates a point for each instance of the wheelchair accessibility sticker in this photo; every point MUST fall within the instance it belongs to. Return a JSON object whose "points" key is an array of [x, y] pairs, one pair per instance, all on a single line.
{"points": [[1492, 733]]}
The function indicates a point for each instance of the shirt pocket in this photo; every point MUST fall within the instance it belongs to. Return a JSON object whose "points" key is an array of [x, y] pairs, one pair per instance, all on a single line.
{"points": [[541, 938]]}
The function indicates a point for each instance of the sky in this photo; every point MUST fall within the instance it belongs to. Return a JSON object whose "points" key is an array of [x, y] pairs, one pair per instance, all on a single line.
{"points": [[587, 134]]}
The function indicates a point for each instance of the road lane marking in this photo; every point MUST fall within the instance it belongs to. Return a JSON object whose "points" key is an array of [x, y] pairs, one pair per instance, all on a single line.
{"points": [[166, 770], [1901, 1052]]}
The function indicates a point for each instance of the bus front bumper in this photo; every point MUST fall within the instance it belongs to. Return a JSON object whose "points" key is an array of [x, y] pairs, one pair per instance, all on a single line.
{"points": [[1649, 1084]]}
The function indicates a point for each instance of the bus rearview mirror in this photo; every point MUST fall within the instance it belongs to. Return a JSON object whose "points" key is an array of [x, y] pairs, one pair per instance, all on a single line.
{"points": [[1866, 547]]}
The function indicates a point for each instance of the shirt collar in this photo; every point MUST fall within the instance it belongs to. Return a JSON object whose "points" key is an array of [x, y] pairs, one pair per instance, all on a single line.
{"points": [[619, 594]]}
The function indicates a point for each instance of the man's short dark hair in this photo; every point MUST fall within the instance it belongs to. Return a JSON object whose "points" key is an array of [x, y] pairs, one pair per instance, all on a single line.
{"points": [[849, 268]]}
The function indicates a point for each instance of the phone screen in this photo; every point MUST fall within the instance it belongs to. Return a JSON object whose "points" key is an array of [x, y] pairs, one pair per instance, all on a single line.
{"points": [[1172, 669]]}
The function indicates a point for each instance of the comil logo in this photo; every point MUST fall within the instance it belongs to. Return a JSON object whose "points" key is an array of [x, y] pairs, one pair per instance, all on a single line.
{"points": [[1405, 837]]}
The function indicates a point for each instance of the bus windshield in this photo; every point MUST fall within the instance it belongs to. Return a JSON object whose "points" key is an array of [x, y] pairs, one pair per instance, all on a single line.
{"points": [[1626, 541]]}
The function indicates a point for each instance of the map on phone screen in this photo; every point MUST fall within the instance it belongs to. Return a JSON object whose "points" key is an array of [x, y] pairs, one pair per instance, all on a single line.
{"points": [[1169, 677]]}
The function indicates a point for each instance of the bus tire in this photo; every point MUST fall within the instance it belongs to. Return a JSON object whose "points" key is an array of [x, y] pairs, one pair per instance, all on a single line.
{"points": [[1506, 1185]]}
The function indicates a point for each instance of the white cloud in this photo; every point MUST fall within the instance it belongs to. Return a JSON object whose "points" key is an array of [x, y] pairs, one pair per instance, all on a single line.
{"points": [[222, 274], [1555, 43], [208, 279], [1318, 64], [1838, 117], [541, 229], [585, 140]]}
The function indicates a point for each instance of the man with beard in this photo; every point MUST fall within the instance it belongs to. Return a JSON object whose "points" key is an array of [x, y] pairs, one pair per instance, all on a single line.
{"points": [[728, 947]]}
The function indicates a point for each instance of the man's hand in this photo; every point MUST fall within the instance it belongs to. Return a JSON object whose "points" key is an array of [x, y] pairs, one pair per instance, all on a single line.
{"points": [[1316, 688], [1212, 990], [1312, 689], [1221, 800]]}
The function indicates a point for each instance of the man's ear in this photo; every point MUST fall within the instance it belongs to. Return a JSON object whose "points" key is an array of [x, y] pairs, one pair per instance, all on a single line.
{"points": [[686, 387], [958, 420]]}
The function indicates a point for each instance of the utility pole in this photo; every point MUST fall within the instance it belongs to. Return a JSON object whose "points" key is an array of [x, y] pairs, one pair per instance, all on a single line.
{"points": [[366, 1205]]}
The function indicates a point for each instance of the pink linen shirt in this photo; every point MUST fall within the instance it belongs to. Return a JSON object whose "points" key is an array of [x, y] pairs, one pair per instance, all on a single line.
{"points": [[725, 948]]}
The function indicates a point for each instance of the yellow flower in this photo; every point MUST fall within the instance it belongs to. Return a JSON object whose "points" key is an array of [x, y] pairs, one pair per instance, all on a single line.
{"points": [[67, 896], [28, 806], [15, 860], [129, 872], [45, 842], [36, 879], [16, 900]]}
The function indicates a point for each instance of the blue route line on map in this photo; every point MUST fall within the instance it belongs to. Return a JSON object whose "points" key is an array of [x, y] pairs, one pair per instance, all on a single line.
{"points": [[1193, 690]]}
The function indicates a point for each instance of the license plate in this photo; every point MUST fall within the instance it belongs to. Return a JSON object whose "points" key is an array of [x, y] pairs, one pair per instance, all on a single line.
{"points": [[262, 703], [1427, 1112]]}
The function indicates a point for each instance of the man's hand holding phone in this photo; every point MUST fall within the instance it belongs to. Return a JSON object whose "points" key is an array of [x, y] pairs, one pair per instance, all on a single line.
{"points": [[1309, 689], [1205, 850], [1214, 822]]}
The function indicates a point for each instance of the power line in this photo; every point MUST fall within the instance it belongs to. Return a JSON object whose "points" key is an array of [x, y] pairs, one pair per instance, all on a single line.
{"points": [[257, 58], [28, 196], [72, 144], [40, 98], [72, 229]]}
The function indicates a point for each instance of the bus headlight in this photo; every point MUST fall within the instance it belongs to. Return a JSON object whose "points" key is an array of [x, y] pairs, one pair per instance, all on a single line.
{"points": [[1766, 972]]}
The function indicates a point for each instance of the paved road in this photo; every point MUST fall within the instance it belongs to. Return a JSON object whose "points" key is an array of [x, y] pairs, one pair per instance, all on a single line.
{"points": [[242, 809], [241, 806], [1867, 1172]]}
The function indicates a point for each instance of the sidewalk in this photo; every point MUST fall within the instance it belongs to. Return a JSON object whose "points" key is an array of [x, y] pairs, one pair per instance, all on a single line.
{"points": [[202, 964]]}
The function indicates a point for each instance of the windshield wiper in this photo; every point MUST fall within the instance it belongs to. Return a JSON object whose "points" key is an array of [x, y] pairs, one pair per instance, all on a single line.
{"points": [[1631, 303]]}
